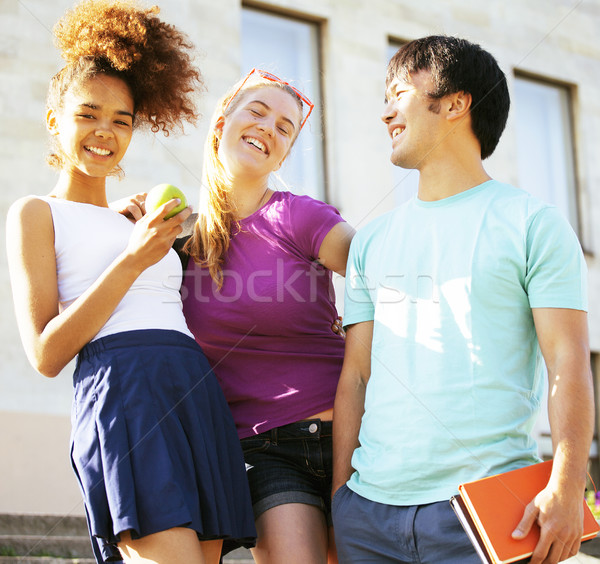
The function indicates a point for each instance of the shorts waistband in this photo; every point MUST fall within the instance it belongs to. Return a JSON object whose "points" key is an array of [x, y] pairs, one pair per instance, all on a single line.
{"points": [[307, 428], [141, 337]]}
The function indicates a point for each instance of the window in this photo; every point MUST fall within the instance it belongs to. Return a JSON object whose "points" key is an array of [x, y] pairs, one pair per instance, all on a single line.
{"points": [[545, 150], [289, 48], [405, 181]]}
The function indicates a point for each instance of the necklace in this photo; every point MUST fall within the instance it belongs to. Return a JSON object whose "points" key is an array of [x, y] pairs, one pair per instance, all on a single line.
{"points": [[262, 200], [255, 208]]}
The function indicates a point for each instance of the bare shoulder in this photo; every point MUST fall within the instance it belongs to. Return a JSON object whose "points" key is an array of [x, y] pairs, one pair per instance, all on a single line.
{"points": [[29, 224], [28, 206], [29, 211]]}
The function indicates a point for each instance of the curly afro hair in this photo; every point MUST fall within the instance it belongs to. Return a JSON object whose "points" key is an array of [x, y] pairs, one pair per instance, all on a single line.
{"points": [[120, 38]]}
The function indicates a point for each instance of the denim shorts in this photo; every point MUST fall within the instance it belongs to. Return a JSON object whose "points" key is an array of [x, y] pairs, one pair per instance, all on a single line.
{"points": [[290, 464]]}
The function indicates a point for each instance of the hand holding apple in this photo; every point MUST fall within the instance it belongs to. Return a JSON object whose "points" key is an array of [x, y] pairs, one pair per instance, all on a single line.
{"points": [[161, 194]]}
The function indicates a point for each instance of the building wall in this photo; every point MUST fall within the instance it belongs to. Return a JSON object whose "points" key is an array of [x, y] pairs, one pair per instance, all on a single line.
{"points": [[554, 39]]}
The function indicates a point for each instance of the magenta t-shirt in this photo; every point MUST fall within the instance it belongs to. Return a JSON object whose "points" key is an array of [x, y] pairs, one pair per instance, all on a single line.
{"points": [[267, 332]]}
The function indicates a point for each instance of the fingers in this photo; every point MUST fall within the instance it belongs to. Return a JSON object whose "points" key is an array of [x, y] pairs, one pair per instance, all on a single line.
{"points": [[561, 551], [137, 207], [338, 327], [139, 200], [545, 551], [527, 521], [133, 211], [164, 210], [552, 547], [132, 207], [177, 220], [551, 551], [183, 215], [573, 550]]}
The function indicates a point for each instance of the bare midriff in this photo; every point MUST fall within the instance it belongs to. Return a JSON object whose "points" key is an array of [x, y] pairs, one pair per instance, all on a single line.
{"points": [[326, 415]]}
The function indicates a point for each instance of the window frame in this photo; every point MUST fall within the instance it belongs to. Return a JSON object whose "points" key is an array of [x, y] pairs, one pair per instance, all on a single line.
{"points": [[312, 137], [574, 215]]}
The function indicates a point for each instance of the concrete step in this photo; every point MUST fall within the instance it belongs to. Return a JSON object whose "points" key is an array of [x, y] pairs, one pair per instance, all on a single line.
{"points": [[229, 559], [17, 546], [44, 539], [50, 545], [43, 525], [44, 560], [55, 539], [240, 556]]}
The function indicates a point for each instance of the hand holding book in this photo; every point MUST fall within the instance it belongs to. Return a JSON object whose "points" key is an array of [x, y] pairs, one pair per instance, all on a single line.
{"points": [[489, 508], [560, 522]]}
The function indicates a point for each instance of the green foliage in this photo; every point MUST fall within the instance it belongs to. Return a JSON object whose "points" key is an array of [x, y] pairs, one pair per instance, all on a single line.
{"points": [[593, 500]]}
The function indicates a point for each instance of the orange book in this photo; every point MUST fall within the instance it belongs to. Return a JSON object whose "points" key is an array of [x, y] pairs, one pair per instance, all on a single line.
{"points": [[490, 509]]}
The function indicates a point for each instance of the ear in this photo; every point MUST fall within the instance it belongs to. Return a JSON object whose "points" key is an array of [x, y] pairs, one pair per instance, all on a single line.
{"points": [[51, 122], [219, 126], [459, 105]]}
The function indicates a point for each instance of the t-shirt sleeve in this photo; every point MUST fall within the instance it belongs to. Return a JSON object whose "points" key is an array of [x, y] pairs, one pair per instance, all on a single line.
{"points": [[312, 220], [556, 274], [358, 302]]}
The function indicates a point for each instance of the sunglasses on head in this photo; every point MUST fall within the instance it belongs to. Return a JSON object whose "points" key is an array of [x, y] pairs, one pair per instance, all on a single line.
{"points": [[269, 76]]}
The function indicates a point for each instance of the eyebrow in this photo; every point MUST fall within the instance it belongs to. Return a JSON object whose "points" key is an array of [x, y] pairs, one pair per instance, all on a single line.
{"points": [[266, 106], [388, 90], [95, 107], [395, 87]]}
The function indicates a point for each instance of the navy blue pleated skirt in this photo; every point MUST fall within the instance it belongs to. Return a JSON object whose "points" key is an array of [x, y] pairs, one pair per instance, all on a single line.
{"points": [[153, 443]]}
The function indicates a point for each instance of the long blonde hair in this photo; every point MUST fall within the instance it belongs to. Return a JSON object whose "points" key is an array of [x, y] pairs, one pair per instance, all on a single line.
{"points": [[210, 239]]}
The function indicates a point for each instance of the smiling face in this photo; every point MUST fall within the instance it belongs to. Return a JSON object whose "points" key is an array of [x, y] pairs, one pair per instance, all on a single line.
{"points": [[413, 121], [257, 134], [94, 125]]}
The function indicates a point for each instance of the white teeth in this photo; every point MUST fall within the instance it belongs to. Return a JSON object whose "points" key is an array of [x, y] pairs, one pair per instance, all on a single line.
{"points": [[258, 144], [397, 131], [98, 151]]}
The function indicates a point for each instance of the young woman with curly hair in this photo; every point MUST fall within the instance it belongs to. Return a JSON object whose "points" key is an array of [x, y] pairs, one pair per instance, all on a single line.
{"points": [[154, 446]]}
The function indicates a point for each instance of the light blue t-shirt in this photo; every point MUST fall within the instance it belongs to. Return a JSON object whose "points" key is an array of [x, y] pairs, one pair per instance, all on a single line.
{"points": [[456, 372]]}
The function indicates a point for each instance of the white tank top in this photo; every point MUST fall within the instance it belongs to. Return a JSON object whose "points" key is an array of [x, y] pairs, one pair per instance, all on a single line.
{"points": [[87, 239]]}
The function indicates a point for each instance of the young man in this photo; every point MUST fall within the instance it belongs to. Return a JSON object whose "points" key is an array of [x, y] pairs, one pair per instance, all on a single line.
{"points": [[449, 301]]}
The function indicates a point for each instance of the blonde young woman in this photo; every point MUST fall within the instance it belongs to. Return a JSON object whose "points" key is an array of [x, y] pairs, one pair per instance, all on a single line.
{"points": [[258, 298], [153, 444]]}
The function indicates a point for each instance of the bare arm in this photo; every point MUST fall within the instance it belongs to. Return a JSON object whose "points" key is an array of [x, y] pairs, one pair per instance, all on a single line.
{"points": [[333, 253], [563, 338], [350, 400], [51, 339]]}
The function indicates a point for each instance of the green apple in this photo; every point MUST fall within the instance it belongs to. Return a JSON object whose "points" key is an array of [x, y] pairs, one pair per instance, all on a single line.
{"points": [[161, 194]]}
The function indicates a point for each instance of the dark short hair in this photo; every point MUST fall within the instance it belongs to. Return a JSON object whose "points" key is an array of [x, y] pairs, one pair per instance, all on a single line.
{"points": [[458, 65]]}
